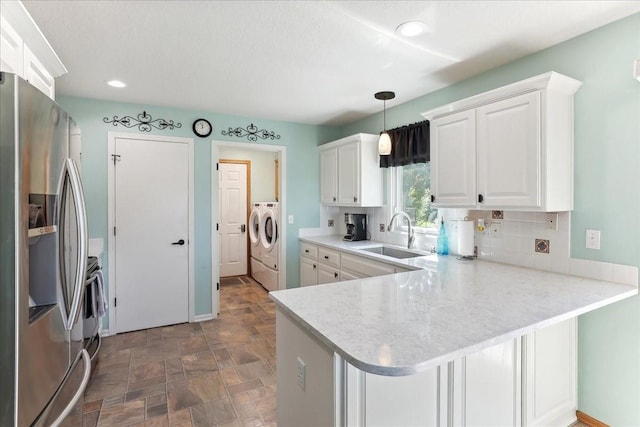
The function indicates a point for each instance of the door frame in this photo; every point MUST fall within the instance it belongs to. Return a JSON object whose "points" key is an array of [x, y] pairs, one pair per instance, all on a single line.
{"points": [[112, 136], [215, 211], [247, 163]]}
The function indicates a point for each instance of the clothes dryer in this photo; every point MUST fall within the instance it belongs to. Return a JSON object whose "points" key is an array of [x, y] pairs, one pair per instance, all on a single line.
{"points": [[254, 231]]}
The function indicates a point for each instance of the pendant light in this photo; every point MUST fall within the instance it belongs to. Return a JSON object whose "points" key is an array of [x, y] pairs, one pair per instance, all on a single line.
{"points": [[384, 143]]}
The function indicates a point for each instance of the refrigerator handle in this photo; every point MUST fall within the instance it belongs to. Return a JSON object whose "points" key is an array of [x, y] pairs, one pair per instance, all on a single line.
{"points": [[81, 266], [83, 385]]}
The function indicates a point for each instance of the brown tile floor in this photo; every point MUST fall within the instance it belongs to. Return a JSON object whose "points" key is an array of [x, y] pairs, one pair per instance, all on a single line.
{"points": [[215, 373]]}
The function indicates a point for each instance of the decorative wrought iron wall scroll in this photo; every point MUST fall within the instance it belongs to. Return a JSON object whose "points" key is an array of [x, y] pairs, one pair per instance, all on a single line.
{"points": [[143, 121], [251, 132]]}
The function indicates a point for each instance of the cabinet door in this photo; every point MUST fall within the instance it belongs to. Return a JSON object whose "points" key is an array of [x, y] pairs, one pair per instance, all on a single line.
{"points": [[10, 49], [329, 176], [550, 389], [349, 174], [453, 160], [508, 144], [328, 274], [487, 387], [37, 75], [308, 272]]}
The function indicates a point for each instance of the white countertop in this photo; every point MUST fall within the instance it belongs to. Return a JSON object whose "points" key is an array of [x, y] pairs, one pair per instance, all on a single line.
{"points": [[408, 322], [429, 260]]}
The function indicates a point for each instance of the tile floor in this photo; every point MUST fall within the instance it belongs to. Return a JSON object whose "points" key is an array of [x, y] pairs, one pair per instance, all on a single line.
{"points": [[215, 373]]}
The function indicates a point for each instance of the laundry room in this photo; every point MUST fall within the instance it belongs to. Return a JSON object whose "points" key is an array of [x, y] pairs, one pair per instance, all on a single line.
{"points": [[249, 213]]}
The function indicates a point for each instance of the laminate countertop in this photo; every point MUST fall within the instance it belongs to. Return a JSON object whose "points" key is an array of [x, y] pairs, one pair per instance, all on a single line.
{"points": [[409, 322]]}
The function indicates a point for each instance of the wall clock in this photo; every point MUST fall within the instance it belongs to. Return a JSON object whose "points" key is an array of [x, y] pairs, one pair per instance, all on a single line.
{"points": [[202, 128]]}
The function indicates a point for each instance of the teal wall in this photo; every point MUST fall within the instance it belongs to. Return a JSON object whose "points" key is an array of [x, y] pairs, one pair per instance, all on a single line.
{"points": [[607, 186], [302, 161], [607, 192]]}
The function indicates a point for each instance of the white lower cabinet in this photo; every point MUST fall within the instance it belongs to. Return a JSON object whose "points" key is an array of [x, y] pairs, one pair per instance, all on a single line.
{"points": [[526, 381], [328, 274]]}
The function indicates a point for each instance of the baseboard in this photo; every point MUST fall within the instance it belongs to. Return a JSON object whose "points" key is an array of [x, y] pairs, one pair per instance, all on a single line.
{"points": [[202, 317], [589, 420]]}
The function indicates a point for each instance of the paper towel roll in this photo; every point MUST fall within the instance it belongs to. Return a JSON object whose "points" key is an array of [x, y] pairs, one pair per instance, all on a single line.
{"points": [[465, 238]]}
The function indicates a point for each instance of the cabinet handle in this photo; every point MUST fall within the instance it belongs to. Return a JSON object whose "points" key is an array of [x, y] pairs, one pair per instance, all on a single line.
{"points": [[326, 257], [480, 198], [355, 199], [314, 266], [335, 275], [306, 251], [334, 199], [433, 198]]}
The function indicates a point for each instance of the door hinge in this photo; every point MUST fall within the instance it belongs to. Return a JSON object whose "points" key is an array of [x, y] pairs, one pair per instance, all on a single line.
{"points": [[218, 286], [115, 302], [116, 158], [114, 230]]}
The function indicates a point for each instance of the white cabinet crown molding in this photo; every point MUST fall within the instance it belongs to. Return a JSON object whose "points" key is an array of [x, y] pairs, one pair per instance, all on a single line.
{"points": [[18, 17], [551, 80]]}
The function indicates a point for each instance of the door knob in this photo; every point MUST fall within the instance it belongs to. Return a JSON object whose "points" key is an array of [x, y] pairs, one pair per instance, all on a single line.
{"points": [[243, 228], [179, 242]]}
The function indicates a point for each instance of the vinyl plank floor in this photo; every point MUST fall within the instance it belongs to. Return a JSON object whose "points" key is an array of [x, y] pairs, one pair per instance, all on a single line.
{"points": [[214, 373]]}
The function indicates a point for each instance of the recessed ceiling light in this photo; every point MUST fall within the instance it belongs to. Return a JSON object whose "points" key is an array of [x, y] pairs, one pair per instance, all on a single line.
{"points": [[116, 83], [411, 28]]}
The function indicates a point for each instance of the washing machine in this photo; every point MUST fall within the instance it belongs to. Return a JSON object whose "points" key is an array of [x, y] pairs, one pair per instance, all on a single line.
{"points": [[270, 246], [254, 231]]}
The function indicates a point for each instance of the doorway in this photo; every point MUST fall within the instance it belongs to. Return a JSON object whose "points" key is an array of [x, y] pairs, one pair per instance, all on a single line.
{"points": [[270, 185], [150, 217]]}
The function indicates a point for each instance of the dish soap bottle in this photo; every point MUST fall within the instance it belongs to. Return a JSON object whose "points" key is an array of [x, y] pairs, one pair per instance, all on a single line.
{"points": [[442, 245]]}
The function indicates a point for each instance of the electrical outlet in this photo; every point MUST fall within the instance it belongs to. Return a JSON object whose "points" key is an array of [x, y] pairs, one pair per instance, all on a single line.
{"points": [[593, 239], [330, 223], [551, 221], [496, 230], [382, 228], [301, 373]]}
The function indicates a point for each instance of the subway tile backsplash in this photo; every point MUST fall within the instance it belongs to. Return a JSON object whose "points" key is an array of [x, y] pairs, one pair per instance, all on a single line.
{"points": [[510, 239]]}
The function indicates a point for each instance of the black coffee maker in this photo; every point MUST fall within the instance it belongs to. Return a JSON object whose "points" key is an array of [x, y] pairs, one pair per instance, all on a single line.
{"points": [[356, 227]]}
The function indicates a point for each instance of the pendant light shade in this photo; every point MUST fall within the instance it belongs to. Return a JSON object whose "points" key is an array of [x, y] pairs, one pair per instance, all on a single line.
{"points": [[384, 143]]}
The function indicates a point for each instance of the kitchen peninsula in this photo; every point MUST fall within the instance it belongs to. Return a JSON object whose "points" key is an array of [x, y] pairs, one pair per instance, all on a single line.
{"points": [[458, 342]]}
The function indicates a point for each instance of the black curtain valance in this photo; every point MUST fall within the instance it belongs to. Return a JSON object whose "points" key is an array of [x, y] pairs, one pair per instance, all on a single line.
{"points": [[409, 144]]}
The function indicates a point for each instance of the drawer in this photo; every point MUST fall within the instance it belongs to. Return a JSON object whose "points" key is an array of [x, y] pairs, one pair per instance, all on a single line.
{"points": [[308, 250], [329, 257], [366, 266]]}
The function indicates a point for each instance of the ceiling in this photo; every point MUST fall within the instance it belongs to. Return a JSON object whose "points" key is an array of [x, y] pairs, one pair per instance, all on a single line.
{"points": [[315, 62]]}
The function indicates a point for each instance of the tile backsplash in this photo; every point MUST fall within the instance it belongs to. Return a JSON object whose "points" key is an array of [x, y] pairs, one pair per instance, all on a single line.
{"points": [[529, 239]]}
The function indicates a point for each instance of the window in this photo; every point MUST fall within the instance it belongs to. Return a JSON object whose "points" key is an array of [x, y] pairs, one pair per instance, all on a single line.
{"points": [[410, 191]]}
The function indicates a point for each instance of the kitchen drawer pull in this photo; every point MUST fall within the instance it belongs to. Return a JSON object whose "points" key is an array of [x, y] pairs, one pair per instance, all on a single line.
{"points": [[326, 257], [306, 251], [335, 275]]}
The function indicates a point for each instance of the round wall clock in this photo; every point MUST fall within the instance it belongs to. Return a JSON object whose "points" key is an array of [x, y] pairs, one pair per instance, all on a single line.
{"points": [[202, 128]]}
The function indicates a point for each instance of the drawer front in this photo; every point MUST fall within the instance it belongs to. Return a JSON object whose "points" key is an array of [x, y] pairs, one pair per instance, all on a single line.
{"points": [[329, 257], [366, 266], [308, 250]]}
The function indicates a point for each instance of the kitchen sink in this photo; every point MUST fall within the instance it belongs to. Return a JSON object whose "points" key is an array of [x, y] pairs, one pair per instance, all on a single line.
{"points": [[393, 252]]}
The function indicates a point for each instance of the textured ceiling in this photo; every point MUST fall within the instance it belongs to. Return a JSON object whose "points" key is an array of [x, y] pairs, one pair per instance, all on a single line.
{"points": [[316, 62]]}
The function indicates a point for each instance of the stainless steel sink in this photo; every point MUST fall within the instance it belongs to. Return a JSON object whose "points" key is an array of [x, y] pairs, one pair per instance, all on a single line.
{"points": [[393, 252]]}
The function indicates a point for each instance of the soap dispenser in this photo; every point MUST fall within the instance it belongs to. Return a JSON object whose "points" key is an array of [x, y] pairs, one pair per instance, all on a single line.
{"points": [[442, 245]]}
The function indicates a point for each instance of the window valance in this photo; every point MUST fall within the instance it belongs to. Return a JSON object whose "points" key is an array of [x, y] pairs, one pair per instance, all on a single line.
{"points": [[409, 144]]}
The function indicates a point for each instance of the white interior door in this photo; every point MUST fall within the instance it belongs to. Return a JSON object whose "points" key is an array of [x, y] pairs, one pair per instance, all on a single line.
{"points": [[233, 218], [151, 233]]}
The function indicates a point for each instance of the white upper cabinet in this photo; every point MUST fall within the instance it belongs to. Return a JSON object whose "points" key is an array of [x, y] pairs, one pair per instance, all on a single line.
{"points": [[25, 51], [510, 148], [350, 174]]}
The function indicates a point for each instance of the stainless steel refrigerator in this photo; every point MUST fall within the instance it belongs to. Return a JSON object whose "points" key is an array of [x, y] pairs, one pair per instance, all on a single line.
{"points": [[44, 367]]}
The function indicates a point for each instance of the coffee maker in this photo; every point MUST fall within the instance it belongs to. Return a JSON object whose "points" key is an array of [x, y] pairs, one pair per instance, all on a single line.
{"points": [[356, 227]]}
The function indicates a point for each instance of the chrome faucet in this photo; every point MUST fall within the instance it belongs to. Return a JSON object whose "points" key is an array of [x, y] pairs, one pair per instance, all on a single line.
{"points": [[410, 236]]}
